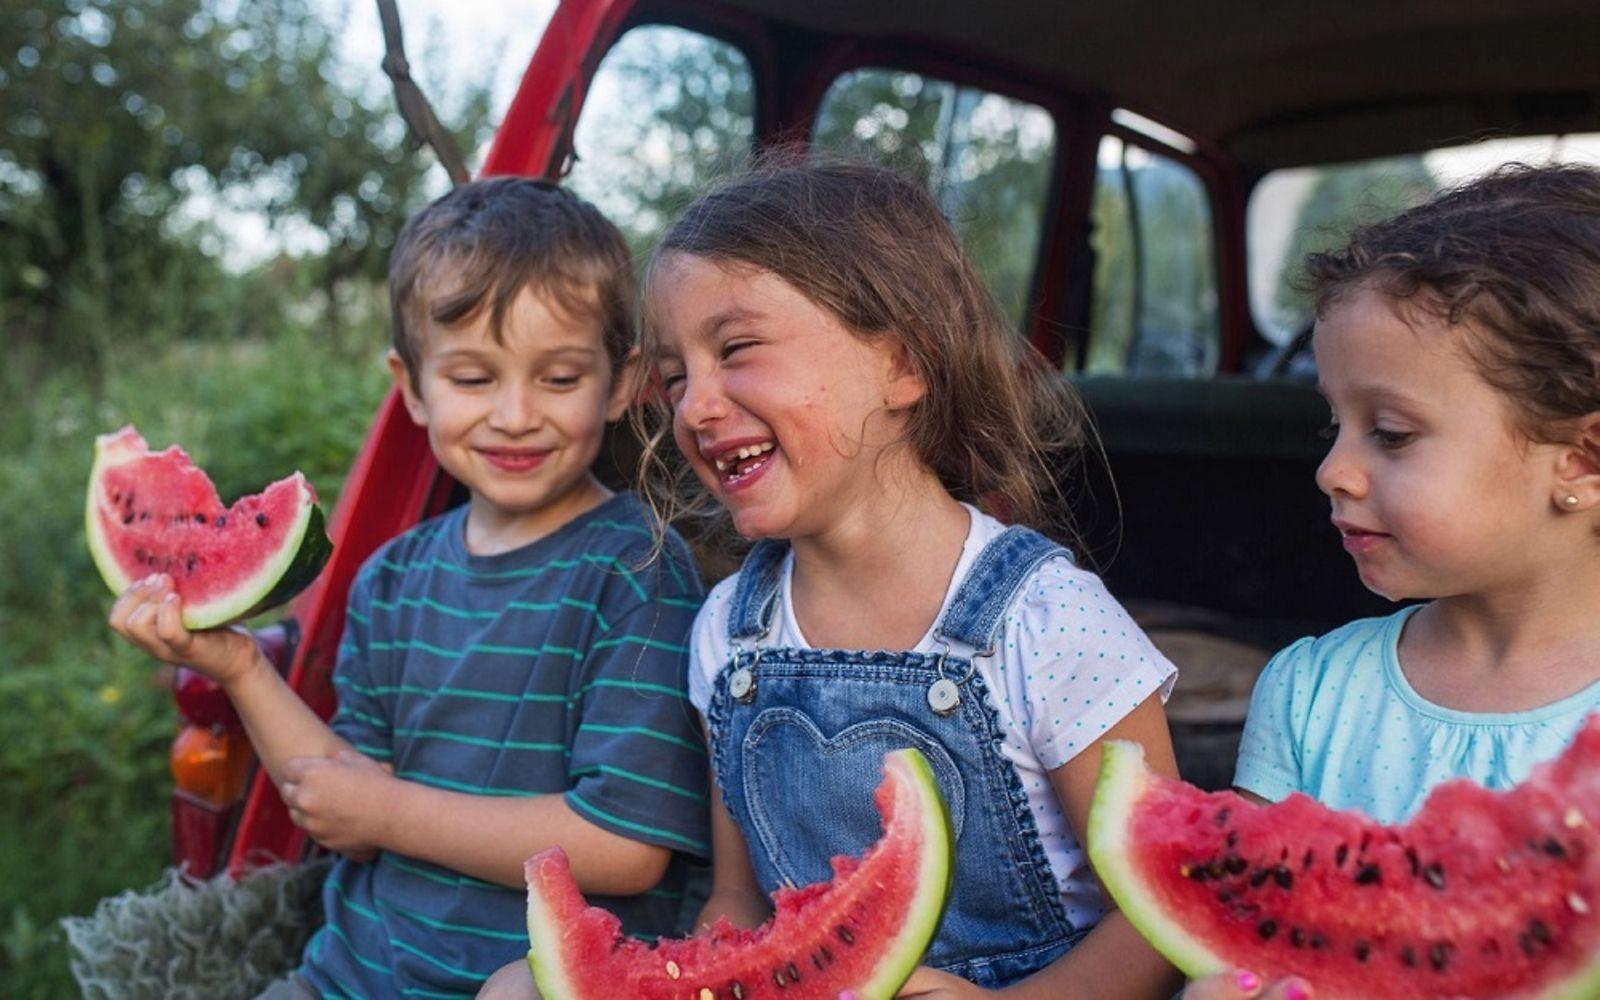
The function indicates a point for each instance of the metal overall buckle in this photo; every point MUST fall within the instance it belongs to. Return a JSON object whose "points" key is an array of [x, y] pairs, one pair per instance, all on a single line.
{"points": [[944, 694]]}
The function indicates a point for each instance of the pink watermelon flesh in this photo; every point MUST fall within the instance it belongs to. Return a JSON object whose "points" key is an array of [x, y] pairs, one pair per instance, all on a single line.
{"points": [[1481, 894], [863, 931], [156, 512]]}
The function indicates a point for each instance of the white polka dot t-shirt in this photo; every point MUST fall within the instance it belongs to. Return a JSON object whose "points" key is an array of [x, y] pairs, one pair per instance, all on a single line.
{"points": [[1071, 664], [1334, 717]]}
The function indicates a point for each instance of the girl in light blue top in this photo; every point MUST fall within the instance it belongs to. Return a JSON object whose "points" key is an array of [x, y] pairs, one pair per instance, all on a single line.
{"points": [[1458, 346]]}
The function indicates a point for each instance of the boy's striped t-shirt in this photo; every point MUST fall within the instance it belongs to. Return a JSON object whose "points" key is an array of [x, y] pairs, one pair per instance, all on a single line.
{"points": [[554, 669]]}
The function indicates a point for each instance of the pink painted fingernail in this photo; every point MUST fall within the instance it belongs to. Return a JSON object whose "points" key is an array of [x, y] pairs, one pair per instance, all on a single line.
{"points": [[1247, 981], [1296, 991]]}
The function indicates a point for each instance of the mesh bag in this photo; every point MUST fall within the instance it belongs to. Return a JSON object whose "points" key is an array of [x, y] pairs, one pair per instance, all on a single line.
{"points": [[191, 939]]}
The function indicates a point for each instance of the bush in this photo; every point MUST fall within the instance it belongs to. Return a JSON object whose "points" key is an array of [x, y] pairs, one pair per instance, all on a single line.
{"points": [[85, 720]]}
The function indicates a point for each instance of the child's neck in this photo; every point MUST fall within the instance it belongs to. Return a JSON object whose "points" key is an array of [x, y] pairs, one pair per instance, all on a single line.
{"points": [[1506, 652], [492, 529], [877, 577]]}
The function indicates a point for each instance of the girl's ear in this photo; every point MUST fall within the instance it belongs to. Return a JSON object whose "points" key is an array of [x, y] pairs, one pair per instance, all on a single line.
{"points": [[904, 385], [1578, 468], [408, 392], [624, 386]]}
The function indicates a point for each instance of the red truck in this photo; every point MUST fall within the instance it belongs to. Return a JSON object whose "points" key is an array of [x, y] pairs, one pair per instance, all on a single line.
{"points": [[1135, 180]]}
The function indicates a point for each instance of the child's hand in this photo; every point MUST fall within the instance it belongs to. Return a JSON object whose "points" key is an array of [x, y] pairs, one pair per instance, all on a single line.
{"points": [[150, 615], [340, 801], [510, 982], [931, 984], [1241, 984]]}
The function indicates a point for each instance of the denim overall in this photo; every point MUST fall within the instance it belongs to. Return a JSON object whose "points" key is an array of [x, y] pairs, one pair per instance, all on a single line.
{"points": [[798, 738]]}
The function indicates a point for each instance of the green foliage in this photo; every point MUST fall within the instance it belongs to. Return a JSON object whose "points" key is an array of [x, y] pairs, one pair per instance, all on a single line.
{"points": [[123, 126], [85, 720]]}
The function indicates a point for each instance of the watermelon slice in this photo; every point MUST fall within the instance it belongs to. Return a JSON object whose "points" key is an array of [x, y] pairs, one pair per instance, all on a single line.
{"points": [[155, 512], [1481, 894], [864, 931]]}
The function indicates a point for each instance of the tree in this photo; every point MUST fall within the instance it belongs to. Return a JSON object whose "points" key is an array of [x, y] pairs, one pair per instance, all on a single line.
{"points": [[119, 120]]}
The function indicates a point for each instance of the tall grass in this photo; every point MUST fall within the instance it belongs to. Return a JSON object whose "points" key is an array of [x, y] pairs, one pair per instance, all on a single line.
{"points": [[85, 721]]}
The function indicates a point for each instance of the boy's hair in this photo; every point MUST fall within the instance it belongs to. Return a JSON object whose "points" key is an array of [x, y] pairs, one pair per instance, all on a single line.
{"points": [[484, 242], [873, 249], [1515, 252]]}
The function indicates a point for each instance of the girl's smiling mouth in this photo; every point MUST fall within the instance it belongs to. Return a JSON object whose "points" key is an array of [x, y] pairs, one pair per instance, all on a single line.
{"points": [[738, 465]]}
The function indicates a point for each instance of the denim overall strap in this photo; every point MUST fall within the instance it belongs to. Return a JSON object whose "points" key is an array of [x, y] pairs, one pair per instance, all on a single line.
{"points": [[755, 596], [975, 615]]}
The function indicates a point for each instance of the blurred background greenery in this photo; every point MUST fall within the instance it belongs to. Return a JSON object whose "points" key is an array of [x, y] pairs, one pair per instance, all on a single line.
{"points": [[136, 138]]}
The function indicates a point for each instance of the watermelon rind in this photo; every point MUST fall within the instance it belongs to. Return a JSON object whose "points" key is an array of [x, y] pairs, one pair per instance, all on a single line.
{"points": [[933, 889], [1123, 780], [295, 564], [547, 916]]}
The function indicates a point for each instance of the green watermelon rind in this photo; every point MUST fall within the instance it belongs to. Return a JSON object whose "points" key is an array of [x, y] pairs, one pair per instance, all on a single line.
{"points": [[297, 562], [933, 892], [900, 956], [1123, 779], [1123, 782]]}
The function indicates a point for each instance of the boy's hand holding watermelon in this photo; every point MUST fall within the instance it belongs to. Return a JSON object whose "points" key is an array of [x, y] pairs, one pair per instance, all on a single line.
{"points": [[149, 614]]}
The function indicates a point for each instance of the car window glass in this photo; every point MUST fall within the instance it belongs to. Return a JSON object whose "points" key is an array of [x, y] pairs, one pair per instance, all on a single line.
{"points": [[1154, 298], [987, 159]]}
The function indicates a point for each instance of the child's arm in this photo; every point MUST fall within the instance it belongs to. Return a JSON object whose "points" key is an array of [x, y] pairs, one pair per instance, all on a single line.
{"points": [[348, 800], [735, 893], [279, 724], [1113, 962]]}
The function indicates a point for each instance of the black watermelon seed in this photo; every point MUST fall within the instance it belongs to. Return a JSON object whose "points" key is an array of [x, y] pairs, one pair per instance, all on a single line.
{"points": [[1318, 942], [1297, 937], [1362, 951], [127, 518], [1266, 929], [827, 956], [1260, 877], [794, 973], [1233, 839], [845, 935], [1439, 956], [1225, 896], [1408, 955], [1283, 876], [1305, 862], [222, 520], [1416, 863], [1554, 848], [1221, 818], [261, 520], [1434, 875], [189, 563], [144, 515], [1235, 865], [1538, 930], [1215, 870], [1340, 855], [1527, 944], [200, 518], [1368, 874]]}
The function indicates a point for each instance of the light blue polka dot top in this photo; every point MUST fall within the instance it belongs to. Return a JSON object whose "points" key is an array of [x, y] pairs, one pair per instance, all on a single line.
{"points": [[1335, 718]]}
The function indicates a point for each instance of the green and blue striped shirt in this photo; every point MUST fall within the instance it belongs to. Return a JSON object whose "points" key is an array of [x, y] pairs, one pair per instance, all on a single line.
{"points": [[557, 668]]}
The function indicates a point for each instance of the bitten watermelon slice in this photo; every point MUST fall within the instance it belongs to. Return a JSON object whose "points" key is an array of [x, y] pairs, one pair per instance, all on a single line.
{"points": [[1481, 894], [155, 512], [864, 931]]}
